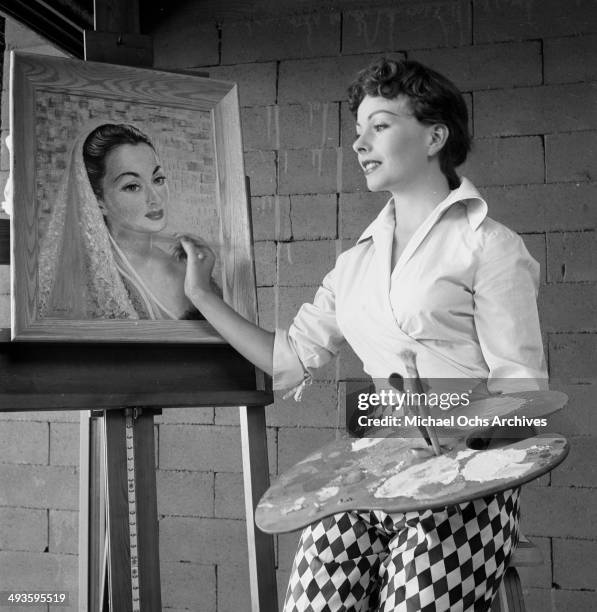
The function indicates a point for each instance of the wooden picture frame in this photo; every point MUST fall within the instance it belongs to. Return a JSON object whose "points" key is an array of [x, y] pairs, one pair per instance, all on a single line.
{"points": [[194, 126]]}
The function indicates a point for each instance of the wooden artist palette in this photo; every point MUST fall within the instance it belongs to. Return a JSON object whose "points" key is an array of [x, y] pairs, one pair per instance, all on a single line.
{"points": [[403, 474]]}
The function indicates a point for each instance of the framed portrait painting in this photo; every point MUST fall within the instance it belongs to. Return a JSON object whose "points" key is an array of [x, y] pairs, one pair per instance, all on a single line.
{"points": [[111, 165]]}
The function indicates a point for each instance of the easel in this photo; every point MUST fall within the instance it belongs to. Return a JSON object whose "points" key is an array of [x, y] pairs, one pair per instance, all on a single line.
{"points": [[105, 379]]}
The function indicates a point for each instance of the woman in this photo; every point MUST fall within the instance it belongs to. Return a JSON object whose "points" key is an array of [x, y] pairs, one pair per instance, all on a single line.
{"points": [[434, 276], [102, 254]]}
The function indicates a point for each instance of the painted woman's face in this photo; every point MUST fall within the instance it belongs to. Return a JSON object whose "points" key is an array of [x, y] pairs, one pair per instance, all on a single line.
{"points": [[134, 190]]}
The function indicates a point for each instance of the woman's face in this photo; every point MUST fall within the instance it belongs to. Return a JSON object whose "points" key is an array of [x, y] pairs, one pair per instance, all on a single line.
{"points": [[134, 190], [393, 147]]}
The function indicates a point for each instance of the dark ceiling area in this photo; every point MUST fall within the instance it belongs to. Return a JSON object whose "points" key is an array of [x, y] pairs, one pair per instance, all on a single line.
{"points": [[62, 22]]}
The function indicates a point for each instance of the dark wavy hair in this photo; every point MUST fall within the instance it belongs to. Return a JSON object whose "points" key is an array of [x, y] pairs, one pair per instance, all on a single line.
{"points": [[433, 99], [100, 142]]}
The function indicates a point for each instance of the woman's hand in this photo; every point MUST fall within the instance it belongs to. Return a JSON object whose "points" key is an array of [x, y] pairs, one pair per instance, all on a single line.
{"points": [[200, 264], [256, 344]]}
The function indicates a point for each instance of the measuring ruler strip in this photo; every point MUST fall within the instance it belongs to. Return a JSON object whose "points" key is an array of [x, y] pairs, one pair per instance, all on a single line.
{"points": [[132, 508]]}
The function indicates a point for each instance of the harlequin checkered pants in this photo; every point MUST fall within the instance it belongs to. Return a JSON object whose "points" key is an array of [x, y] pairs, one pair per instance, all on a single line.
{"points": [[447, 560]]}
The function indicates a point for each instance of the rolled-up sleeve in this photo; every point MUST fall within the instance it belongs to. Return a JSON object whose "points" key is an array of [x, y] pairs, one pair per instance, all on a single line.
{"points": [[506, 317], [311, 341]]}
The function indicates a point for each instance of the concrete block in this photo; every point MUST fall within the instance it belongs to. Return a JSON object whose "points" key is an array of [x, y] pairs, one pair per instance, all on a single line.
{"points": [[265, 263], [579, 417], [579, 601], [202, 415], [202, 540], [64, 532], [189, 586], [185, 493], [260, 167], [229, 496], [290, 299], [351, 177], [513, 20], [271, 217], [546, 511], [256, 82], [260, 127], [313, 216], [572, 357], [297, 36], [39, 486], [571, 157], [536, 246], [541, 208], [266, 302], [571, 257], [54, 416], [199, 448], [575, 563], [314, 125], [535, 110], [570, 59], [348, 128], [23, 442], [538, 600], [579, 469], [39, 572], [568, 307], [486, 66], [505, 161], [295, 444], [357, 210], [318, 408], [538, 576], [229, 415], [23, 529], [308, 170], [236, 593], [64, 444], [305, 263], [349, 365], [407, 25], [182, 40], [333, 74]]}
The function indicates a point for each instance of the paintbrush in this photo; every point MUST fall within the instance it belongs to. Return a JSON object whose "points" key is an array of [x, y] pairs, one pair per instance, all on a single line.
{"points": [[410, 362], [398, 383]]}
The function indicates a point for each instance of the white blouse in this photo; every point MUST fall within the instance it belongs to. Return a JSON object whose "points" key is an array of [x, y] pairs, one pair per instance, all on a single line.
{"points": [[462, 296]]}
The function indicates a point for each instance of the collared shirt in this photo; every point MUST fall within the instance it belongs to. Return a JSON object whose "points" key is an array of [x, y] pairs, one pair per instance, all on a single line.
{"points": [[462, 296]]}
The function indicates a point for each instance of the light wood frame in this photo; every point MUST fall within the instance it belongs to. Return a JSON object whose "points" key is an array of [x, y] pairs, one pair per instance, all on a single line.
{"points": [[31, 74]]}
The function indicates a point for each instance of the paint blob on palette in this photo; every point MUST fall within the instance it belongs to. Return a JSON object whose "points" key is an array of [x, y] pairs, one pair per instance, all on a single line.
{"points": [[402, 474], [399, 475]]}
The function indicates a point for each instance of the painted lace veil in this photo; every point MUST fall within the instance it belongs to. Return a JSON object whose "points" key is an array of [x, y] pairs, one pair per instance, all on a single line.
{"points": [[78, 277]]}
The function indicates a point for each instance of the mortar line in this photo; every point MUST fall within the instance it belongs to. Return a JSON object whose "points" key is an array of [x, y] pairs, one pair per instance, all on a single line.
{"points": [[219, 30]]}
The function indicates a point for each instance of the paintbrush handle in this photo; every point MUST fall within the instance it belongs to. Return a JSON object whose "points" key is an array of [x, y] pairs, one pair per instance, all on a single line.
{"points": [[410, 363], [437, 449]]}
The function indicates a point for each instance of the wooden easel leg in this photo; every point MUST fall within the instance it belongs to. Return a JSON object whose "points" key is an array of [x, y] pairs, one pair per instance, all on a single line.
{"points": [[262, 570], [92, 513], [120, 517]]}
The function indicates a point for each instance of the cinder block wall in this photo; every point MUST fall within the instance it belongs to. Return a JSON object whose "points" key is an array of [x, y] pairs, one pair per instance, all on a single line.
{"points": [[528, 69]]}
